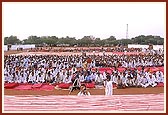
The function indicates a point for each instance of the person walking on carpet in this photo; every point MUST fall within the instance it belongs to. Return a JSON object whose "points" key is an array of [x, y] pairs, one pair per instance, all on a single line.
{"points": [[108, 87]]}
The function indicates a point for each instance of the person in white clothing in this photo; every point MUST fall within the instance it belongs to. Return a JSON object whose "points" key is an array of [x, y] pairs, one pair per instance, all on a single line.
{"points": [[159, 77], [108, 87], [32, 78], [99, 79], [73, 70], [83, 91], [93, 75], [104, 75], [138, 81], [48, 77], [62, 75], [40, 78], [129, 82], [6, 78], [129, 75], [123, 79], [151, 81], [144, 81], [81, 77], [9, 78], [67, 79], [22, 79], [57, 79], [119, 83]]}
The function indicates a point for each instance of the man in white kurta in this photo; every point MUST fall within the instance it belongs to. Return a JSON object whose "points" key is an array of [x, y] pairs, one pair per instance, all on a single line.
{"points": [[108, 88], [99, 79], [151, 80], [159, 77]]}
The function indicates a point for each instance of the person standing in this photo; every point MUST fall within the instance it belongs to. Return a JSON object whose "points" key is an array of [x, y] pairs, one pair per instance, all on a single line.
{"points": [[108, 87]]}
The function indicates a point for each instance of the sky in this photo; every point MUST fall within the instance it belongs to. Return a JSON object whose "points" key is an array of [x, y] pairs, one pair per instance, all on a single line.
{"points": [[100, 20]]}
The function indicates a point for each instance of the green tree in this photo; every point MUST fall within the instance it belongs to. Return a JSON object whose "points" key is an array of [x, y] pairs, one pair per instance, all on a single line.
{"points": [[11, 40], [125, 42], [97, 42], [33, 40], [85, 41], [111, 38], [145, 40]]}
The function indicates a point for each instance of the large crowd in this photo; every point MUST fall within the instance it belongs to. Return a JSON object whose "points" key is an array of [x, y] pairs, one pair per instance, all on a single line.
{"points": [[66, 69], [95, 49]]}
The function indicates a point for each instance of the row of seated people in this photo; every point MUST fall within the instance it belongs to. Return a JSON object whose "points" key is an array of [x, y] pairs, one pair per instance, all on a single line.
{"points": [[127, 78], [90, 49]]}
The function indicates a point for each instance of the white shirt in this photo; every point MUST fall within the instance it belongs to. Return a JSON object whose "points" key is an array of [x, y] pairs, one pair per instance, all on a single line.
{"points": [[123, 80], [81, 78], [109, 88], [159, 76], [22, 79], [40, 79], [152, 79], [129, 75], [32, 77], [67, 80], [99, 78], [93, 75], [144, 80], [81, 94]]}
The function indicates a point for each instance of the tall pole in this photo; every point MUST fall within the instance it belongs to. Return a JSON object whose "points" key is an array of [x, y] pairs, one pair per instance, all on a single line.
{"points": [[127, 32]]}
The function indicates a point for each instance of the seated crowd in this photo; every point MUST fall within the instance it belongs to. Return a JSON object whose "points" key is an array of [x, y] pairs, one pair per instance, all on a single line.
{"points": [[95, 49], [56, 69]]}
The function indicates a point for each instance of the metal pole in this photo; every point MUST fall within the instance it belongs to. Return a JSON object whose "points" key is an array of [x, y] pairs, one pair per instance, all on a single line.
{"points": [[127, 32]]}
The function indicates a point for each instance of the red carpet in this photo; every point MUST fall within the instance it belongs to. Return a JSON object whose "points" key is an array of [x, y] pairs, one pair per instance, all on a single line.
{"points": [[121, 69], [23, 87], [90, 85], [37, 85], [40, 86], [160, 85], [45, 87], [64, 85], [10, 85], [114, 103], [48, 87]]}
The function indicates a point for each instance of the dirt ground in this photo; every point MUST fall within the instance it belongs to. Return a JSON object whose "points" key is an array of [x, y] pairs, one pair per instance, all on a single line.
{"points": [[127, 91], [12, 52]]}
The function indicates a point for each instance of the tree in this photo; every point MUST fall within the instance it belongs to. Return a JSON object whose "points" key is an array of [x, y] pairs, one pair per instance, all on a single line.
{"points": [[67, 40], [145, 40], [33, 40], [86, 41], [125, 41], [111, 38], [97, 42], [11, 40]]}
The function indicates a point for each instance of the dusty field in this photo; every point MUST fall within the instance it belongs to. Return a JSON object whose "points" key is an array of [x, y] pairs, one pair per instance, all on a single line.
{"points": [[126, 91], [12, 52], [27, 52]]}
